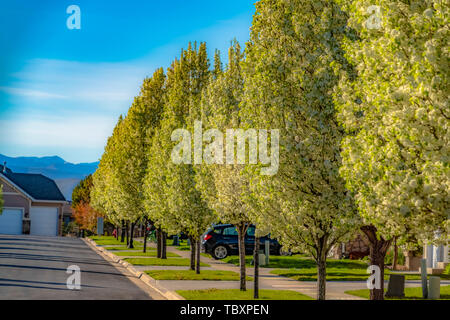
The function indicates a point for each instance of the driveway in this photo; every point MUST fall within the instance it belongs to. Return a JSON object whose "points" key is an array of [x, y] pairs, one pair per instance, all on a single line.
{"points": [[34, 267]]}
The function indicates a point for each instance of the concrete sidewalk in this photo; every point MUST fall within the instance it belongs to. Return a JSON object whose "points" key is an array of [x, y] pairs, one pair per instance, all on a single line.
{"points": [[335, 290]]}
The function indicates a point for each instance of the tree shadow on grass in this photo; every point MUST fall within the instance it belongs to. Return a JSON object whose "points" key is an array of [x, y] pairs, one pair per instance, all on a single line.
{"points": [[304, 263]]}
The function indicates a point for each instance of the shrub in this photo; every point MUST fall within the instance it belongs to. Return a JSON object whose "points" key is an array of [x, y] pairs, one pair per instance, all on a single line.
{"points": [[389, 259]]}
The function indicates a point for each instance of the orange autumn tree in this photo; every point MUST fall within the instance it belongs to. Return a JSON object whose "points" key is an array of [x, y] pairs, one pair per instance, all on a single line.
{"points": [[85, 216]]}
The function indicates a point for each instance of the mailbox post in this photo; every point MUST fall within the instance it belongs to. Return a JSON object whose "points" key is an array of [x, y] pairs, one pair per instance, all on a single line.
{"points": [[267, 251]]}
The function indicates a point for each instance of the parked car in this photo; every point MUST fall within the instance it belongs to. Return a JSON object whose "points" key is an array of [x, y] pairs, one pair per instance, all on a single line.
{"points": [[221, 241]]}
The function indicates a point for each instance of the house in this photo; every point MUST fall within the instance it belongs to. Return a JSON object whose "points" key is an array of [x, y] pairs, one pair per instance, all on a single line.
{"points": [[68, 213], [436, 256], [33, 204]]}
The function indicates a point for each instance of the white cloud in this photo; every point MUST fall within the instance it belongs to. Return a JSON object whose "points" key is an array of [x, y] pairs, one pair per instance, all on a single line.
{"points": [[71, 107], [112, 84], [31, 93], [76, 132]]}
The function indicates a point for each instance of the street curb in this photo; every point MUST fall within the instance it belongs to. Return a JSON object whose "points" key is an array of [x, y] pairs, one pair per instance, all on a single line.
{"points": [[145, 278]]}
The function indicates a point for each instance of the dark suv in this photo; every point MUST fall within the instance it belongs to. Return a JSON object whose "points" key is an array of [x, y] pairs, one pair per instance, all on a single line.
{"points": [[222, 240]]}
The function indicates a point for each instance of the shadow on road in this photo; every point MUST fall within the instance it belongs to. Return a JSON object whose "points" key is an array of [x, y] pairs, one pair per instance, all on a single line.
{"points": [[61, 269]]}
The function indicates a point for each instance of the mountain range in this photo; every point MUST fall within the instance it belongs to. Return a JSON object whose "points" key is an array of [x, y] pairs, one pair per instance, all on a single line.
{"points": [[66, 175]]}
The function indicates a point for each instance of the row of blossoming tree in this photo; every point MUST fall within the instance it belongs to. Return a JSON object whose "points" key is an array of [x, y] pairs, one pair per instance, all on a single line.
{"points": [[360, 100]]}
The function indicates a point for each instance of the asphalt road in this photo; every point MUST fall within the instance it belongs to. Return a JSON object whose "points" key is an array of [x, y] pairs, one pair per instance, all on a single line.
{"points": [[34, 267]]}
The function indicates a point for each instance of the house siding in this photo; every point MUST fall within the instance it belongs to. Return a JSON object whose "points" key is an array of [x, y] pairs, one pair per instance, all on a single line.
{"points": [[6, 187], [17, 201]]}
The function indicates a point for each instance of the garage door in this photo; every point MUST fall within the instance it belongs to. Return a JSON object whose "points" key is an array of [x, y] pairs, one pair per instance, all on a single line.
{"points": [[44, 221], [11, 221]]}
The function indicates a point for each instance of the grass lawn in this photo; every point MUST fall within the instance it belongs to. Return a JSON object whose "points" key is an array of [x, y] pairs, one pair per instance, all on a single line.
{"points": [[183, 245], [181, 242], [294, 261], [333, 274], [336, 274], [337, 270], [103, 242], [136, 248], [410, 293], [161, 262], [142, 254], [299, 267], [236, 294], [101, 237], [183, 248], [191, 275], [111, 241]]}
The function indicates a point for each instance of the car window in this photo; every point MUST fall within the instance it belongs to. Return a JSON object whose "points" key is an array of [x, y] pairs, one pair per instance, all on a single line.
{"points": [[217, 231], [251, 231], [230, 231]]}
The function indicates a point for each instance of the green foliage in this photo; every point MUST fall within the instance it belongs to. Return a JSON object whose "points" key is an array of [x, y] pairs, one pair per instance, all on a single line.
{"points": [[447, 270], [105, 182], [82, 192], [290, 75], [389, 258], [363, 120], [395, 113], [118, 182], [70, 228], [222, 186], [171, 196]]}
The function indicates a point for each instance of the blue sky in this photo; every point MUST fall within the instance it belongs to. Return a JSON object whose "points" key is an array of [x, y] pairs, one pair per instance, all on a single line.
{"points": [[61, 90]]}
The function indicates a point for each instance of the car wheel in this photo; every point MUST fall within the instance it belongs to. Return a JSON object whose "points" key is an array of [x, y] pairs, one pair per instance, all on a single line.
{"points": [[220, 252]]}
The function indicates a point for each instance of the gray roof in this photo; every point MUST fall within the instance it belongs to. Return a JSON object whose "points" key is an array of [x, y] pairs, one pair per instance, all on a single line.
{"points": [[37, 186]]}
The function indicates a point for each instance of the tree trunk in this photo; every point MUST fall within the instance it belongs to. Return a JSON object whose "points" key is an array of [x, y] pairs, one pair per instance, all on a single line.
{"points": [[145, 235], [256, 275], [321, 278], [193, 251], [395, 258], [197, 265], [377, 259], [127, 233], [122, 232], [242, 229], [158, 243], [117, 232], [130, 244], [163, 245], [378, 249]]}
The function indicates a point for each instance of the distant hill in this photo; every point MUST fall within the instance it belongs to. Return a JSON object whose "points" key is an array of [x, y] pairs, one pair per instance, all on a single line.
{"points": [[66, 175]]}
